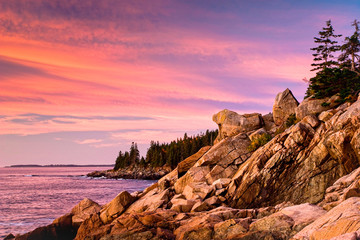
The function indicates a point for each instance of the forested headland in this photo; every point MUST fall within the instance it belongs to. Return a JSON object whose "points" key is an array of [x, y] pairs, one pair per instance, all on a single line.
{"points": [[169, 154]]}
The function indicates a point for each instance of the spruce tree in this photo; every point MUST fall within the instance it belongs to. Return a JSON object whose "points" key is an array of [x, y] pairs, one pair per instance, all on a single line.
{"points": [[350, 50], [323, 56]]}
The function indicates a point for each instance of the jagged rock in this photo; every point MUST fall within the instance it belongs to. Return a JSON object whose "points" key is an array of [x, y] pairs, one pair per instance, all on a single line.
{"points": [[219, 172], [344, 218], [201, 206], [312, 120], [303, 214], [326, 115], [269, 123], [164, 233], [146, 225], [151, 201], [230, 123], [277, 222], [186, 164], [348, 236], [230, 228], [92, 228], [315, 106], [9, 236], [60, 230], [257, 134], [197, 190], [65, 227], [284, 106], [344, 188], [267, 235], [83, 210], [182, 205], [307, 159], [117, 206], [201, 226], [221, 183], [213, 201], [195, 174], [227, 152]]}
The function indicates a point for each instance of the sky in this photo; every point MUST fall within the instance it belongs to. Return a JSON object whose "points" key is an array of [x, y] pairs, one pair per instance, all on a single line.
{"points": [[81, 80]]}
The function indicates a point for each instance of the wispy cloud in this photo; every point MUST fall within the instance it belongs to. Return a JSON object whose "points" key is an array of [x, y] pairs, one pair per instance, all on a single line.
{"points": [[29, 118], [6, 99], [88, 141]]}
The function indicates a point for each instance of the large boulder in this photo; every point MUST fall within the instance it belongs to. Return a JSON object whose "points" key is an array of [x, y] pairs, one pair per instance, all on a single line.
{"points": [[83, 210], [345, 187], [315, 106], [195, 174], [230, 123], [218, 162], [62, 229], [151, 201], [65, 227], [187, 163], [303, 214], [285, 105], [344, 218], [117, 206]]}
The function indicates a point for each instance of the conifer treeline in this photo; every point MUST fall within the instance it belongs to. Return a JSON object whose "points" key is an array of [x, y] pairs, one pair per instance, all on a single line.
{"points": [[169, 154], [336, 75]]}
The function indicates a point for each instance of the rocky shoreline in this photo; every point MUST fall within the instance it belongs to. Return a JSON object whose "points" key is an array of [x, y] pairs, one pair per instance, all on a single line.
{"points": [[148, 173], [303, 184]]}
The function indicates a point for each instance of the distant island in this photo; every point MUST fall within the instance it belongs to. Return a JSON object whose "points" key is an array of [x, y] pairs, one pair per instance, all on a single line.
{"points": [[57, 165]]}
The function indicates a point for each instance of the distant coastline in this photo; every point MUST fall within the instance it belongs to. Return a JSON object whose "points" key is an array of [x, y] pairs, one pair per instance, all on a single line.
{"points": [[57, 165]]}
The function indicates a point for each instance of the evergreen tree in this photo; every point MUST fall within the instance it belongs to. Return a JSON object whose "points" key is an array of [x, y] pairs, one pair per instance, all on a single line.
{"points": [[119, 163], [166, 153], [327, 46], [350, 49], [142, 162], [127, 159], [134, 154]]}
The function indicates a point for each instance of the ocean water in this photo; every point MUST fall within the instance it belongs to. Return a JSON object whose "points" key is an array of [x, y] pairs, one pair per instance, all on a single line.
{"points": [[34, 197]]}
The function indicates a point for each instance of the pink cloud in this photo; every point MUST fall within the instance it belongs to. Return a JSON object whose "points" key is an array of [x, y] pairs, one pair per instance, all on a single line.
{"points": [[88, 141]]}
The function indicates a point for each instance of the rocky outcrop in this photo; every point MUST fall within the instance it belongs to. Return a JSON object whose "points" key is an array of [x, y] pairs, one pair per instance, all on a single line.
{"points": [[285, 105], [187, 163], [299, 164], [344, 188], [230, 123], [148, 173], [303, 184], [65, 227], [315, 106], [117, 206], [345, 218], [83, 210]]}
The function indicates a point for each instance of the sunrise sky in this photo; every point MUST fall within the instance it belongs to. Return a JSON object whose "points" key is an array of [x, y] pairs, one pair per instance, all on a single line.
{"points": [[81, 80]]}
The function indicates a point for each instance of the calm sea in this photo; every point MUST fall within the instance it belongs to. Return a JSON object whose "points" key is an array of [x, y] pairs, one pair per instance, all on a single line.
{"points": [[33, 197]]}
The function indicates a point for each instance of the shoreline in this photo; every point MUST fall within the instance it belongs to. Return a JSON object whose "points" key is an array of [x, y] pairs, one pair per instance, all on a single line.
{"points": [[148, 173], [56, 165]]}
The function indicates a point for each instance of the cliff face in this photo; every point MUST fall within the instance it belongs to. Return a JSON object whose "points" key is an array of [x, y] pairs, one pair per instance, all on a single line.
{"points": [[297, 185], [299, 164]]}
